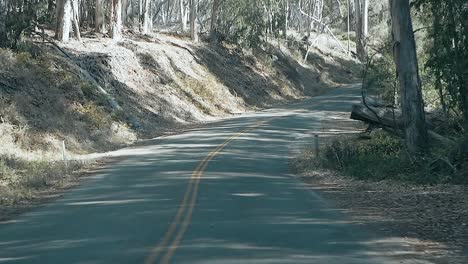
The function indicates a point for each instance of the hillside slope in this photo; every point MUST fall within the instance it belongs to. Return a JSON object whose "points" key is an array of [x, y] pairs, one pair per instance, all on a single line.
{"points": [[49, 97]]}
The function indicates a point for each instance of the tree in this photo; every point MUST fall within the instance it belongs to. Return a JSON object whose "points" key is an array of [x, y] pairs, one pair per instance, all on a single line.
{"points": [[64, 18], [99, 16], [75, 20], [116, 19], [214, 20], [286, 18], [147, 21], [183, 15], [408, 76], [3, 29], [361, 18], [193, 20]]}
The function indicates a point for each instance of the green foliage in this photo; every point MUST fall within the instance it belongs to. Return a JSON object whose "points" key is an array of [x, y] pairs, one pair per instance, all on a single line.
{"points": [[249, 23], [379, 158], [380, 77], [383, 157], [22, 16], [95, 116], [447, 47]]}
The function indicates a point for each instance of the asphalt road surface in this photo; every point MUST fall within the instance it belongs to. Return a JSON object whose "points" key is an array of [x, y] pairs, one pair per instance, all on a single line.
{"points": [[223, 194]]}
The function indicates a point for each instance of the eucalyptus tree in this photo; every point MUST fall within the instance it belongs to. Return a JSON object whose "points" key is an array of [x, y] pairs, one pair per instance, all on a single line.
{"points": [[406, 61], [361, 18], [115, 15], [3, 29], [64, 18], [193, 20]]}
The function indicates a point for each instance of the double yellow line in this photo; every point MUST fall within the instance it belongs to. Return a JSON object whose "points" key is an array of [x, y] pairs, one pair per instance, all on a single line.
{"points": [[186, 207]]}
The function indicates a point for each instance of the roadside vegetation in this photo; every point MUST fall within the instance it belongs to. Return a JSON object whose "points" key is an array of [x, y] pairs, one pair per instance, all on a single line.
{"points": [[396, 178], [382, 156], [381, 152], [66, 93]]}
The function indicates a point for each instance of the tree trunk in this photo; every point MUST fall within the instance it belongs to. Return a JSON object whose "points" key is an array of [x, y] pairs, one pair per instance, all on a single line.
{"points": [[75, 20], [146, 17], [309, 20], [3, 30], [124, 11], [348, 23], [286, 19], [214, 20], [360, 39], [64, 18], [116, 20], [99, 16], [183, 16], [193, 20], [408, 76], [90, 14], [50, 6], [365, 22]]}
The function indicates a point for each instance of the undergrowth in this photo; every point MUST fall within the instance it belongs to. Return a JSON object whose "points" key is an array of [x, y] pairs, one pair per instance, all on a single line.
{"points": [[22, 179], [384, 157]]}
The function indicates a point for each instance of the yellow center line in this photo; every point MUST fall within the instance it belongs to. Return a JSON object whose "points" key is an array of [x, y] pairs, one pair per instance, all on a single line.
{"points": [[192, 189]]}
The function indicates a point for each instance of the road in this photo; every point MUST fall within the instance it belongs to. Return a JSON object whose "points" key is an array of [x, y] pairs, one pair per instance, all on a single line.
{"points": [[222, 194]]}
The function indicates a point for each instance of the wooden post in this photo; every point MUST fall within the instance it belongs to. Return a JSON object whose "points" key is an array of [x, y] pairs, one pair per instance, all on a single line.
{"points": [[64, 156]]}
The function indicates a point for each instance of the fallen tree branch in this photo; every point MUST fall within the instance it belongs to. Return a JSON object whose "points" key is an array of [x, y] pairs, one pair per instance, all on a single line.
{"points": [[391, 120]]}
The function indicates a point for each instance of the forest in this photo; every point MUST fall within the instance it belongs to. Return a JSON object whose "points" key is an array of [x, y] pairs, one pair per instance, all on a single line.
{"points": [[81, 80]]}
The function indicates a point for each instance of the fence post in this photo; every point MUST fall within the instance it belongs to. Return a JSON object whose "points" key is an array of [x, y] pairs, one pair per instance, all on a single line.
{"points": [[64, 156]]}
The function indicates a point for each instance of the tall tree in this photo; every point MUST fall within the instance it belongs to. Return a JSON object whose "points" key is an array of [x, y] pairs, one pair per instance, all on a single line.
{"points": [[361, 18], [116, 20], [286, 11], [348, 19], [75, 19], [147, 20], [99, 16], [193, 20], [183, 15], [408, 76], [214, 20], [64, 18], [3, 29]]}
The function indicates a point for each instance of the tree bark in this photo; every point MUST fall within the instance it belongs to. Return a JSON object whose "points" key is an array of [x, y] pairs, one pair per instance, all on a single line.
{"points": [[214, 20], [365, 22], [116, 20], [360, 36], [348, 6], [146, 17], [3, 30], [99, 16], [193, 20], [125, 4], [408, 76], [75, 20], [286, 19], [183, 15], [64, 19]]}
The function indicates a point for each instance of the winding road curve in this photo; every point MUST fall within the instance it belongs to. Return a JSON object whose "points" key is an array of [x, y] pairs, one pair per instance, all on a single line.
{"points": [[221, 194]]}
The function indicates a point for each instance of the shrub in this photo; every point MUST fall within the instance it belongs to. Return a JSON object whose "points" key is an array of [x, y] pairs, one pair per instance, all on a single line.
{"points": [[381, 157], [384, 157]]}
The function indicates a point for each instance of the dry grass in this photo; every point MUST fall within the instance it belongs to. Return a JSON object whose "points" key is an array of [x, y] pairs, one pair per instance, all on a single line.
{"points": [[22, 180]]}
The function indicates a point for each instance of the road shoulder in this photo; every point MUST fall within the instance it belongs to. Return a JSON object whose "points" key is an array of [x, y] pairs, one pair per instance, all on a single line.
{"points": [[431, 221]]}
